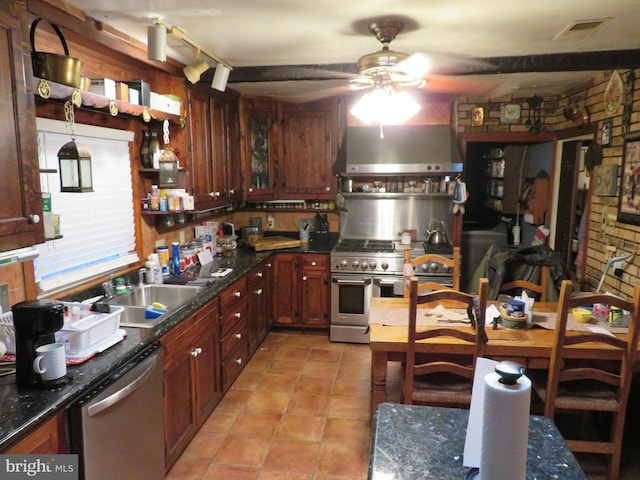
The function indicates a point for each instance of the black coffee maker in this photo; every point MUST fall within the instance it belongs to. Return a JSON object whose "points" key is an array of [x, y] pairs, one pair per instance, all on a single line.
{"points": [[35, 323]]}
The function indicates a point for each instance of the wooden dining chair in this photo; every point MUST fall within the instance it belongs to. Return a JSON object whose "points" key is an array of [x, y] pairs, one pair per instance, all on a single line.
{"points": [[453, 263], [429, 379], [539, 288], [579, 384]]}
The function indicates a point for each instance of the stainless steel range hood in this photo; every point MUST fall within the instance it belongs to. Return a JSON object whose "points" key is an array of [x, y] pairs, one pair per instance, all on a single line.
{"points": [[404, 150]]}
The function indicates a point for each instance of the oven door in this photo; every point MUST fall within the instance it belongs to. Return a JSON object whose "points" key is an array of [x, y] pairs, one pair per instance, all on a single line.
{"points": [[388, 287], [350, 299]]}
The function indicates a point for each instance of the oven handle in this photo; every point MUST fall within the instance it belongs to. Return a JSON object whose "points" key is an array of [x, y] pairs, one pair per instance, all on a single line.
{"points": [[341, 281], [387, 282]]}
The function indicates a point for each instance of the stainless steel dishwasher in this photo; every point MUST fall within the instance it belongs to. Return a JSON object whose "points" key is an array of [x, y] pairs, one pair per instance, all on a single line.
{"points": [[117, 428]]}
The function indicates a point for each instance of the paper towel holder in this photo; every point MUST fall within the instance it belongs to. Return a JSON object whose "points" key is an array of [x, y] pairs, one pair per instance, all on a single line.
{"points": [[509, 372]]}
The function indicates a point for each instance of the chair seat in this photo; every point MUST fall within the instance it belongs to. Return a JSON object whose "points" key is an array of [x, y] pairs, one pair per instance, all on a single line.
{"points": [[441, 388], [580, 395]]}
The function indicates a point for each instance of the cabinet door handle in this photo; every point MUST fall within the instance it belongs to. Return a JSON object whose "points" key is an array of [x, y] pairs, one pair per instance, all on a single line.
{"points": [[328, 189], [313, 264], [196, 351], [33, 219], [259, 274], [259, 291], [304, 278], [212, 194], [237, 294], [237, 315], [250, 189], [238, 361], [238, 336], [268, 265]]}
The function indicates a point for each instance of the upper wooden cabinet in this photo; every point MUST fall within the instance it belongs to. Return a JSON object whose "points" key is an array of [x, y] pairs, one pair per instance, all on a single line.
{"points": [[309, 150], [21, 209], [289, 149], [213, 145]]}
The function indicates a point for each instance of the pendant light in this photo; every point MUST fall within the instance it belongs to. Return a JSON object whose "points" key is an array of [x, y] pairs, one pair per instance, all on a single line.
{"points": [[74, 161]]}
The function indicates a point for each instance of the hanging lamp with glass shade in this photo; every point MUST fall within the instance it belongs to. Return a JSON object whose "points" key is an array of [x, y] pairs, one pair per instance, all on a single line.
{"points": [[74, 160]]}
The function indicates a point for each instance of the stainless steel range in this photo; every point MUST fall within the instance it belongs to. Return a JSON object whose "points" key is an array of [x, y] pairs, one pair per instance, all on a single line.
{"points": [[362, 269]]}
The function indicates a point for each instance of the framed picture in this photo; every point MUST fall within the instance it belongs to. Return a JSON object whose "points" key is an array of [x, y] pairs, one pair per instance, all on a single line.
{"points": [[605, 138], [629, 199]]}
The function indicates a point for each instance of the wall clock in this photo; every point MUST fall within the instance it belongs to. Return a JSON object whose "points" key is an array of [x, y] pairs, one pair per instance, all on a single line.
{"points": [[510, 112]]}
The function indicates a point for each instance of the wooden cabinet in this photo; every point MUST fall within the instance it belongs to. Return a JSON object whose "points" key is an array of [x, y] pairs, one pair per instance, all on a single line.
{"points": [[50, 437], [21, 207], [301, 290], [503, 177], [309, 150], [192, 386], [258, 132], [259, 305], [289, 150], [213, 161], [234, 343]]}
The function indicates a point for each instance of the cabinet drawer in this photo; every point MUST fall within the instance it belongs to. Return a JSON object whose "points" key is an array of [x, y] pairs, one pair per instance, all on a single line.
{"points": [[256, 277], [235, 292], [233, 365], [314, 262], [238, 335], [233, 316]]}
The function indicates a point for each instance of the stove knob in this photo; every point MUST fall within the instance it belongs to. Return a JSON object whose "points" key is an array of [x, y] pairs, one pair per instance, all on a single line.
{"points": [[433, 267], [446, 268], [384, 265], [355, 264], [343, 264], [424, 267], [372, 265], [364, 265]]}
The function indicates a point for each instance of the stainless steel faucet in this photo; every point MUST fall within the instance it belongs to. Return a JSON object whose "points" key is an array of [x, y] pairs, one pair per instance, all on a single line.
{"points": [[141, 273]]}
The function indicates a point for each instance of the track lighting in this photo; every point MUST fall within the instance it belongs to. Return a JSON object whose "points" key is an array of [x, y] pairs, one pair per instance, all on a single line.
{"points": [[220, 77], [194, 71], [157, 42]]}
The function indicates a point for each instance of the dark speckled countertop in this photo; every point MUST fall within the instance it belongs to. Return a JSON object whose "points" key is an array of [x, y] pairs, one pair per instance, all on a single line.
{"points": [[23, 409], [412, 442]]}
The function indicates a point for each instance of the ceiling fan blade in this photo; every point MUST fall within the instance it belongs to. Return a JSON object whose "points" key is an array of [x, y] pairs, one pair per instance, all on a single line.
{"points": [[416, 66], [476, 85]]}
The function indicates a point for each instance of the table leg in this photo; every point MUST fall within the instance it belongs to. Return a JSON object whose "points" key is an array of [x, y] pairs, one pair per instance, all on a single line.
{"points": [[378, 379]]}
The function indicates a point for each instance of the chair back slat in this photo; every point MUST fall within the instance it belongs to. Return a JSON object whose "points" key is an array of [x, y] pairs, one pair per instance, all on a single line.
{"points": [[453, 263]]}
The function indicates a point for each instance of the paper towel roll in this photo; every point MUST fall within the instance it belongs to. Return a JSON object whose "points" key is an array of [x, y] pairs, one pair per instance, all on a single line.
{"points": [[505, 429]]}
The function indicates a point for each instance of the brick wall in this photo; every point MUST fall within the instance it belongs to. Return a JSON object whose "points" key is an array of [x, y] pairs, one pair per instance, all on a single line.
{"points": [[604, 229]]}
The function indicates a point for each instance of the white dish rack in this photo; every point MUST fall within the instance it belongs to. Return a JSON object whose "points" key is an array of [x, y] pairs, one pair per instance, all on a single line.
{"points": [[84, 329]]}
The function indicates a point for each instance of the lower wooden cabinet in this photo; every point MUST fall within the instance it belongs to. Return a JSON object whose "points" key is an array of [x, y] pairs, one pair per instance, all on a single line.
{"points": [[50, 437], [301, 290], [234, 344], [259, 317], [191, 376]]}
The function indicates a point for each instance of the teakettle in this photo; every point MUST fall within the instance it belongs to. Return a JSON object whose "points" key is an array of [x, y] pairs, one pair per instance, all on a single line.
{"points": [[437, 233]]}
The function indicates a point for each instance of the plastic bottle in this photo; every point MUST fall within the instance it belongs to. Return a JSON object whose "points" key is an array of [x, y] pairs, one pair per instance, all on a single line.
{"points": [[157, 269], [154, 198], [149, 274], [175, 258]]}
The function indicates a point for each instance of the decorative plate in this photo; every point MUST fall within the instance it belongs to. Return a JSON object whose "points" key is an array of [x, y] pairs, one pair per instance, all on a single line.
{"points": [[614, 93], [510, 112]]}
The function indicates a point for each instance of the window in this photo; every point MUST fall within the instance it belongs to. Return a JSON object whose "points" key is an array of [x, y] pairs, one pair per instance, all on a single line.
{"points": [[97, 228]]}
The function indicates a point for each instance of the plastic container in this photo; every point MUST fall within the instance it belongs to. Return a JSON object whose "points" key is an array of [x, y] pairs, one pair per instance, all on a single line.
{"points": [[83, 328], [154, 198]]}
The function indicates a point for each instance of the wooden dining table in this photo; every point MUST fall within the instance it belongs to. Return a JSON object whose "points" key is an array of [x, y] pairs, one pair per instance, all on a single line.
{"points": [[530, 347]]}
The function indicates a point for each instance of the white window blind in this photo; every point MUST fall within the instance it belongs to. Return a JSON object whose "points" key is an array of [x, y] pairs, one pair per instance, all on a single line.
{"points": [[98, 233]]}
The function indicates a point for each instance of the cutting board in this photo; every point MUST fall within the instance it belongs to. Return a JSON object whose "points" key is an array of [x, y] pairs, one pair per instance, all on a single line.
{"points": [[274, 243]]}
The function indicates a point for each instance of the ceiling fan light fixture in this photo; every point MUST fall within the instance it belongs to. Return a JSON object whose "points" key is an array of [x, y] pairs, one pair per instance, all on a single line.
{"points": [[385, 107]]}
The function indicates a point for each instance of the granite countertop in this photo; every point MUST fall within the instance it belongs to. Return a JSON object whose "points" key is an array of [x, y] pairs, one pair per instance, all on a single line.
{"points": [[22, 409], [411, 442]]}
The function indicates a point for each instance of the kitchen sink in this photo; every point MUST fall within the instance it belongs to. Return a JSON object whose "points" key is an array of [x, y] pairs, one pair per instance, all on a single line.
{"points": [[137, 300]]}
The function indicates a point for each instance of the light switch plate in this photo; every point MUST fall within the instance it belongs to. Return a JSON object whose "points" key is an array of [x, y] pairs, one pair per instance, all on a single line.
{"points": [[4, 297]]}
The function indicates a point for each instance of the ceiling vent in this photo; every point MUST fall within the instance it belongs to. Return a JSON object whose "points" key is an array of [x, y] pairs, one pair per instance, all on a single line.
{"points": [[582, 28]]}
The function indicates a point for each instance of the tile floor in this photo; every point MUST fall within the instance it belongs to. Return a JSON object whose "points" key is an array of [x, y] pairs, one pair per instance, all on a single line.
{"points": [[300, 411]]}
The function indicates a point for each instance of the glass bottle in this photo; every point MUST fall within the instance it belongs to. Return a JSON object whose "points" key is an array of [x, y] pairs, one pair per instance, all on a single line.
{"points": [[175, 258], [145, 158], [154, 150]]}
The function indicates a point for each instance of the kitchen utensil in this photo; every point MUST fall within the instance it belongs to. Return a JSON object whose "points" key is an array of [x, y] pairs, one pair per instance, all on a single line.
{"points": [[437, 233], [52, 66]]}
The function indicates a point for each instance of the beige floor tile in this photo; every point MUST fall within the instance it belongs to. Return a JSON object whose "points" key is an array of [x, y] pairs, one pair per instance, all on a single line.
{"points": [[203, 447], [264, 401], [345, 386], [343, 459], [247, 380], [354, 371], [325, 355], [243, 451], [315, 385], [278, 382], [228, 472], [292, 455], [220, 421], [187, 470], [280, 475], [299, 427], [309, 405], [344, 406], [234, 400], [322, 369], [285, 366], [292, 353], [356, 355], [347, 430], [257, 423]]}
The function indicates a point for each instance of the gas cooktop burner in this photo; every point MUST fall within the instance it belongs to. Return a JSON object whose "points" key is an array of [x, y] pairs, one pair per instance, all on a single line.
{"points": [[365, 245], [439, 249]]}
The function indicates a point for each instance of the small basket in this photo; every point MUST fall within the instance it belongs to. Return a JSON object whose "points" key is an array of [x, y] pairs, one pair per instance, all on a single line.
{"points": [[52, 66], [83, 328]]}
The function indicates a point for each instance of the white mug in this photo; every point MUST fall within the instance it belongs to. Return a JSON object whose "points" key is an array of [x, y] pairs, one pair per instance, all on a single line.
{"points": [[51, 362]]}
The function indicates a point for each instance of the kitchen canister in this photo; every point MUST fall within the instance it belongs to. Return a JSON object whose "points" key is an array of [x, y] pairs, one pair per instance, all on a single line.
{"points": [[505, 423]]}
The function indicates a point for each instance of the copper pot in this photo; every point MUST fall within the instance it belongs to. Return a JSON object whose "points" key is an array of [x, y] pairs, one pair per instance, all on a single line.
{"points": [[52, 66]]}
